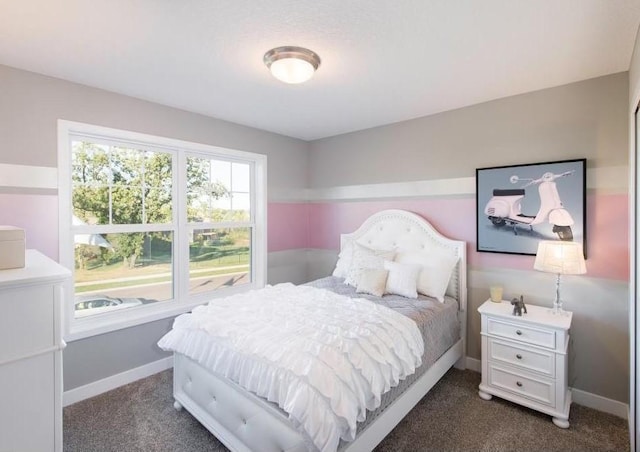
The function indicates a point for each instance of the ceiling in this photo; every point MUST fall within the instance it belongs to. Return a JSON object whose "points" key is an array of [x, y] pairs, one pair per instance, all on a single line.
{"points": [[383, 61]]}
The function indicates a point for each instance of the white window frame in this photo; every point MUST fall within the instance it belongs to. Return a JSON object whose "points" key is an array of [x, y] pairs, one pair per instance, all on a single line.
{"points": [[182, 302]]}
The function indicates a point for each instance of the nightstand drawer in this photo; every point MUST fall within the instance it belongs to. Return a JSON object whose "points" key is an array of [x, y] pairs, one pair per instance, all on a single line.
{"points": [[525, 334], [528, 359], [541, 390]]}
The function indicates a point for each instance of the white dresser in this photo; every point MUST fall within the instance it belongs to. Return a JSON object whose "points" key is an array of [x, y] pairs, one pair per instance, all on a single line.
{"points": [[524, 359], [31, 355]]}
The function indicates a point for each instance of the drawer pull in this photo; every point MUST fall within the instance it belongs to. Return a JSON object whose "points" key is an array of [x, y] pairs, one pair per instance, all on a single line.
{"points": [[519, 333], [518, 384], [519, 356]]}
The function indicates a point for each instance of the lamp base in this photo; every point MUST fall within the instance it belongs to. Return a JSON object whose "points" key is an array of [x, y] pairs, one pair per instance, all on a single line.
{"points": [[557, 303], [557, 310]]}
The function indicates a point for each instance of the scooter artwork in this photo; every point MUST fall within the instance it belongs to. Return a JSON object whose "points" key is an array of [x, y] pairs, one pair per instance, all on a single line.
{"points": [[504, 208]]}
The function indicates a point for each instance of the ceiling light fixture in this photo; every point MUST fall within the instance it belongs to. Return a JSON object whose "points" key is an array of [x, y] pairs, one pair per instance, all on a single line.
{"points": [[292, 64]]}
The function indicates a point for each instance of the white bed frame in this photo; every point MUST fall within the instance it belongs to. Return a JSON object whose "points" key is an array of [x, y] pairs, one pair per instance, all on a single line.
{"points": [[245, 422]]}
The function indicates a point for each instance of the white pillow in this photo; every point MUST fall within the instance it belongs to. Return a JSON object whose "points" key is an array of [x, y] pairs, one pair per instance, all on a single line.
{"points": [[373, 281], [402, 279], [364, 258], [344, 260], [435, 271]]}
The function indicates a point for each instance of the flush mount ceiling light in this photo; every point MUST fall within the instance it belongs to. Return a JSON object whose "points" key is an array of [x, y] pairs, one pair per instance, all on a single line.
{"points": [[292, 64]]}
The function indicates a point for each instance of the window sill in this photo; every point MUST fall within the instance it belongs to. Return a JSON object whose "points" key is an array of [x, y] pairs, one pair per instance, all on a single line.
{"points": [[106, 323]]}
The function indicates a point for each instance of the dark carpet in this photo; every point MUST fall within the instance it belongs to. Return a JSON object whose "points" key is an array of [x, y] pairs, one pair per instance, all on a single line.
{"points": [[140, 417]]}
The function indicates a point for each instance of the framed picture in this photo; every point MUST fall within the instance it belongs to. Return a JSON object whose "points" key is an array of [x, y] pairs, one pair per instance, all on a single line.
{"points": [[520, 205]]}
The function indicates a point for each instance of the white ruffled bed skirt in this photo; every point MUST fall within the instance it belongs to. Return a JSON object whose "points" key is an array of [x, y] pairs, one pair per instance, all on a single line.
{"points": [[324, 358]]}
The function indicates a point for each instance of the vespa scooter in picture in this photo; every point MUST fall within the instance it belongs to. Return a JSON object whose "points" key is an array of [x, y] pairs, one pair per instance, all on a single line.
{"points": [[504, 208]]}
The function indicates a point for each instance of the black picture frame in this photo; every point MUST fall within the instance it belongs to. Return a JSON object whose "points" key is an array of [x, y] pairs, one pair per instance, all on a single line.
{"points": [[517, 206]]}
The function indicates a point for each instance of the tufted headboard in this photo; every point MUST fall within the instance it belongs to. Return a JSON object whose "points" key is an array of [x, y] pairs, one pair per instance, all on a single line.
{"points": [[405, 231]]}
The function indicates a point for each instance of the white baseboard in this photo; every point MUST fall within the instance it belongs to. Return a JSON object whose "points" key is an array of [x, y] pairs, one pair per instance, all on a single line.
{"points": [[580, 397], [115, 381], [72, 396], [600, 403], [474, 364]]}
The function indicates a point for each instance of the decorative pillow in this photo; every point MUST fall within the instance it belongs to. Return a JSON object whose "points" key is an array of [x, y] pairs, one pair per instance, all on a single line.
{"points": [[344, 260], [364, 258], [435, 271], [373, 281], [402, 279]]}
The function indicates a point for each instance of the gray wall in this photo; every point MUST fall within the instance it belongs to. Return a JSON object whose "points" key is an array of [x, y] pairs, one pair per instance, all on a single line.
{"points": [[31, 104], [89, 360], [586, 119]]}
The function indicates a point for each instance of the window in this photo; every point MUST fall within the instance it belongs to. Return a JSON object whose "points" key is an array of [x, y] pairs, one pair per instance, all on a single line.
{"points": [[152, 227], [218, 193]]}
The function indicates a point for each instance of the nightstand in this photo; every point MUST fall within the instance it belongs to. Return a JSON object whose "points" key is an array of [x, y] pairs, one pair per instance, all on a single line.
{"points": [[524, 359]]}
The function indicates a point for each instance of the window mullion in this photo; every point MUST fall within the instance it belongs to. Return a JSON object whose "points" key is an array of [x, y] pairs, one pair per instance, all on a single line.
{"points": [[221, 225], [122, 228], [110, 184], [181, 266], [143, 186]]}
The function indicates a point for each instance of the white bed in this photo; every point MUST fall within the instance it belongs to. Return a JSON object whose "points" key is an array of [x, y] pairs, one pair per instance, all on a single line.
{"points": [[243, 421]]}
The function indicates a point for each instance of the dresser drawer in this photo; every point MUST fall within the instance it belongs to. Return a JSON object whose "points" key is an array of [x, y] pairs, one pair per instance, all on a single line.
{"points": [[27, 321], [524, 334], [27, 417], [541, 390], [525, 358]]}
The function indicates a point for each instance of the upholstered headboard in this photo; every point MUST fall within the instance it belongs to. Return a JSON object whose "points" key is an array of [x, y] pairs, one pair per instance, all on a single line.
{"points": [[400, 230]]}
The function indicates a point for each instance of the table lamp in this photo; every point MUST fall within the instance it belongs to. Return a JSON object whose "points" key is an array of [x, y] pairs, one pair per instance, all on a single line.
{"points": [[561, 258]]}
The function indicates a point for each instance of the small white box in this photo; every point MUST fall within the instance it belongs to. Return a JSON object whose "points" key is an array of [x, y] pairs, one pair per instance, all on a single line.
{"points": [[12, 247]]}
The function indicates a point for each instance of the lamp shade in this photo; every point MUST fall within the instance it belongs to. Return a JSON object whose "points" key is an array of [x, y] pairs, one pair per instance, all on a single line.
{"points": [[563, 258]]}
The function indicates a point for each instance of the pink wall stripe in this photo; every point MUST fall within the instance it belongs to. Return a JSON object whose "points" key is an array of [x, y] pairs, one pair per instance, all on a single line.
{"points": [[300, 225], [607, 234], [37, 215], [287, 226], [328, 221]]}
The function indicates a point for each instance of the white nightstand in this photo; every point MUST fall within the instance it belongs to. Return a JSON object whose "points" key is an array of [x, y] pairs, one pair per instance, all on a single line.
{"points": [[524, 359]]}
